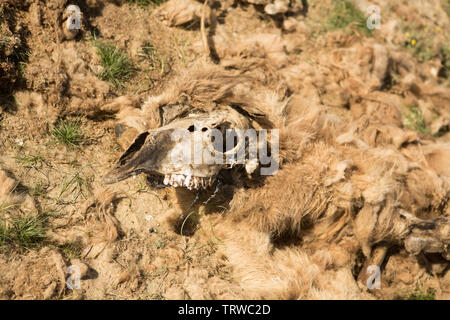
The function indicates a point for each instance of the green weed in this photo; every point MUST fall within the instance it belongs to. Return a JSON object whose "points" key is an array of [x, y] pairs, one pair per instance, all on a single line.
{"points": [[117, 67], [68, 132], [346, 13], [414, 120]]}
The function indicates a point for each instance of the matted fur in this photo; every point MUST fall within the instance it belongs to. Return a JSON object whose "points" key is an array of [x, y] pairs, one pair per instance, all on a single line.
{"points": [[180, 12], [202, 88]]}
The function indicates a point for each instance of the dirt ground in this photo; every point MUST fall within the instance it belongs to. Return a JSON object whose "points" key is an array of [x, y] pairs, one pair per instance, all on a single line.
{"points": [[123, 237]]}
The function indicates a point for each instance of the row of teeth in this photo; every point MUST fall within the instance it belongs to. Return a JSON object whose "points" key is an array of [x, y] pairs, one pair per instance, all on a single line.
{"points": [[180, 180]]}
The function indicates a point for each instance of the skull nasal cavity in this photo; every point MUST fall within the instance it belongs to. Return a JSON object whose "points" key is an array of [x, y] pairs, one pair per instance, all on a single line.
{"points": [[192, 128]]}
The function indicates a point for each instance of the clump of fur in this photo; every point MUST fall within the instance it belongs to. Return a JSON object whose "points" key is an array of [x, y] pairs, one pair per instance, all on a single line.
{"points": [[182, 12], [99, 210]]}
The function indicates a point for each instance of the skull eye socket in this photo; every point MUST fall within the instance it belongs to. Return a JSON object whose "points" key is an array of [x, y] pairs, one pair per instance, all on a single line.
{"points": [[228, 142]]}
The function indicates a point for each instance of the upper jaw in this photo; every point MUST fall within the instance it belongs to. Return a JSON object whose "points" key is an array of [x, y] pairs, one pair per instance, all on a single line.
{"points": [[188, 181], [181, 180]]}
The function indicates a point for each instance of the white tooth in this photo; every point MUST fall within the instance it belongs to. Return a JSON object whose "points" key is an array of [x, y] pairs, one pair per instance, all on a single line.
{"points": [[204, 183], [166, 179], [195, 182], [171, 179], [187, 180], [179, 180]]}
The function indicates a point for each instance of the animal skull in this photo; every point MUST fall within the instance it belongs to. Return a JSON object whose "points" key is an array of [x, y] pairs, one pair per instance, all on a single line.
{"points": [[187, 151]]}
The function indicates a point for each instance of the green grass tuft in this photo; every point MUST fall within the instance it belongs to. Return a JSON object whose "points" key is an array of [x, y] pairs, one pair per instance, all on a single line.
{"points": [[26, 231], [414, 120], [29, 230], [72, 249], [421, 294], [68, 132], [117, 67], [344, 13]]}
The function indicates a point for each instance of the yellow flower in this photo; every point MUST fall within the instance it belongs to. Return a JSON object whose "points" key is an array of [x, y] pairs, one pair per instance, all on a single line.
{"points": [[413, 42], [438, 28]]}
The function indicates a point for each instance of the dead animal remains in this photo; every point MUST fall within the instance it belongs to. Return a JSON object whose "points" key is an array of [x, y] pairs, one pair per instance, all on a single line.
{"points": [[338, 191], [200, 133]]}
